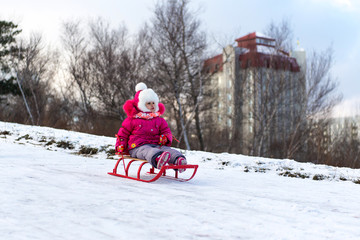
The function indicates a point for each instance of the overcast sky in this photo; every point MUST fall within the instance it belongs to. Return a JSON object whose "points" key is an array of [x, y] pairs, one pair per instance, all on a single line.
{"points": [[317, 24]]}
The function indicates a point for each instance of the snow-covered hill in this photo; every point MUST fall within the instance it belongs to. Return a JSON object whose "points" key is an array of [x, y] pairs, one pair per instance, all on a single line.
{"points": [[54, 187]]}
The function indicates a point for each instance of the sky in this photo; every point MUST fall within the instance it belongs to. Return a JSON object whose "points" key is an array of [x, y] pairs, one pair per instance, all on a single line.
{"points": [[317, 24]]}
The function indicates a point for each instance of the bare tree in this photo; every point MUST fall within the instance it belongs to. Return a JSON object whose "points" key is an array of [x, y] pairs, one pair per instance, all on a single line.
{"points": [[177, 48], [214, 93], [314, 95], [264, 91], [319, 98], [282, 103], [77, 65], [35, 68], [108, 77], [283, 34], [103, 68], [38, 70], [116, 66], [344, 148]]}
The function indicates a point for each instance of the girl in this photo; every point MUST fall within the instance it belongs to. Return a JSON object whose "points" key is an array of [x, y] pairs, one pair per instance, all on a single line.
{"points": [[144, 134]]}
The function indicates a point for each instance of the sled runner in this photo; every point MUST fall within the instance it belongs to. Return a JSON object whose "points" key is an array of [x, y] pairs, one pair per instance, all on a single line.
{"points": [[153, 174]]}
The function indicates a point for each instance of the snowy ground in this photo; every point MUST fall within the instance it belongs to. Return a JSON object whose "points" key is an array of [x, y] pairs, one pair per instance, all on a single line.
{"points": [[48, 192]]}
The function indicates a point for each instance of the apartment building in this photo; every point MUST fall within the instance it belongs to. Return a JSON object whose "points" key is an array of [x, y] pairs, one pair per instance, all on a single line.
{"points": [[258, 88]]}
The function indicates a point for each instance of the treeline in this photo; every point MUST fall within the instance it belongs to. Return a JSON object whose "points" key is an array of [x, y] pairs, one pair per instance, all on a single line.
{"points": [[83, 86]]}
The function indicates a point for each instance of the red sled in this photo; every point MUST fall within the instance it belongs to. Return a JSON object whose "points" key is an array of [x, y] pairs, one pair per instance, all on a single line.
{"points": [[153, 174]]}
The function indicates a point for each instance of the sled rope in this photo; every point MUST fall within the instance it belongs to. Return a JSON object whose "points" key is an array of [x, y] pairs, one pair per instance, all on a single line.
{"points": [[122, 155], [175, 139]]}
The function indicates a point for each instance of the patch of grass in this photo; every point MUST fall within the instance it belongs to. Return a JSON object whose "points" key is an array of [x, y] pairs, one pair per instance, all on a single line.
{"points": [[88, 150], [343, 179], [284, 168], [356, 181], [288, 168], [43, 139], [26, 137], [319, 177], [294, 175], [261, 170], [5, 133], [225, 163], [104, 148], [65, 145], [51, 142], [110, 152], [204, 159]]}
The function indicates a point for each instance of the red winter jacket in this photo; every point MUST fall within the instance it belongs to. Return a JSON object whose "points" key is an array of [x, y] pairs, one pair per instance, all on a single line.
{"points": [[136, 132]]}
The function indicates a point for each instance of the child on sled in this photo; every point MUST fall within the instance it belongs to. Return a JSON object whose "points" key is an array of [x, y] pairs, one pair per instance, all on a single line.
{"points": [[144, 133]]}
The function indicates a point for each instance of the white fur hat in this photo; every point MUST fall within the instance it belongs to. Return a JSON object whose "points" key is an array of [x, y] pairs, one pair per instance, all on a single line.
{"points": [[146, 95]]}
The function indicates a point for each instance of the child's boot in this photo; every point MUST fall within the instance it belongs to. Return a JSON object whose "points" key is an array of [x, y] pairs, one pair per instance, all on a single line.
{"points": [[181, 161], [162, 159]]}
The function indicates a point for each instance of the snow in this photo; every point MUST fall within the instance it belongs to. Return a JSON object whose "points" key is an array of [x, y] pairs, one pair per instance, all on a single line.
{"points": [[48, 192], [260, 34]]}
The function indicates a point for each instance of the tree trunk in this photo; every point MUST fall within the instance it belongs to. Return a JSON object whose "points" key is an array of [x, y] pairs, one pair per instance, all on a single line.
{"points": [[24, 98], [183, 133]]}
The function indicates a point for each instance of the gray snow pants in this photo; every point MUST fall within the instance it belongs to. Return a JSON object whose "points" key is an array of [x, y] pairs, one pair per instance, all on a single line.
{"points": [[149, 152]]}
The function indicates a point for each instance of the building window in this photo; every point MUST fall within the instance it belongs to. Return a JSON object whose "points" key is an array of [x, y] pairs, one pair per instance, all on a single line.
{"points": [[229, 122], [250, 88], [228, 70], [265, 41], [250, 115], [265, 62]]}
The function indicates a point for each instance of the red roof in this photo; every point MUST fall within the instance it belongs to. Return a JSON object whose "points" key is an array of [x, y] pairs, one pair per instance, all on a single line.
{"points": [[256, 59], [214, 64], [255, 56]]}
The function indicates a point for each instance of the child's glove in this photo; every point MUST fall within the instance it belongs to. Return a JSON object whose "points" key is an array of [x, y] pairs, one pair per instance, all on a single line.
{"points": [[163, 140], [120, 149]]}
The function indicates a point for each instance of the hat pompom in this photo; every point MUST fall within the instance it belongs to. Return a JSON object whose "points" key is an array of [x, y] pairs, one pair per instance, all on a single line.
{"points": [[140, 86]]}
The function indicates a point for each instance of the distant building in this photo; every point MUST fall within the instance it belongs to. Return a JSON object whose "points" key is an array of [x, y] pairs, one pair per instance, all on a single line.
{"points": [[348, 127], [338, 130], [256, 87]]}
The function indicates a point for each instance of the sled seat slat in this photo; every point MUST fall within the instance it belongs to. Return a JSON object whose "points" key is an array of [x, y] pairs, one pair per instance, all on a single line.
{"points": [[136, 159]]}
